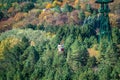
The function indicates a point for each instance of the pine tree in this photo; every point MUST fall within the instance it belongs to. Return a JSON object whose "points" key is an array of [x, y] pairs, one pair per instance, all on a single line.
{"points": [[67, 8], [29, 57]]}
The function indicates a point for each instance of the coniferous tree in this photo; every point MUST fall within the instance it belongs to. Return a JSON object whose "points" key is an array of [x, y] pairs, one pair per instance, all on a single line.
{"points": [[1, 15], [67, 8], [81, 16], [89, 8], [29, 57]]}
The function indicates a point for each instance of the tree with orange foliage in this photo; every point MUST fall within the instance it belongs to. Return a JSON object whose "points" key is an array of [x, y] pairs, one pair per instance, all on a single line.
{"points": [[77, 4], [49, 5], [11, 9], [54, 4]]}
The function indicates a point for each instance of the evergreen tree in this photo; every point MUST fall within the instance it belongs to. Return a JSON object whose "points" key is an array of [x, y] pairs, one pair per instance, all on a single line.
{"points": [[89, 8], [81, 16], [1, 15], [116, 35], [107, 64], [29, 57], [67, 8], [57, 9]]}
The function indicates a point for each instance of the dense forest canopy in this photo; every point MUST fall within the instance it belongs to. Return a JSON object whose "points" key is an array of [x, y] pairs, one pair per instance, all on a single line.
{"points": [[31, 30]]}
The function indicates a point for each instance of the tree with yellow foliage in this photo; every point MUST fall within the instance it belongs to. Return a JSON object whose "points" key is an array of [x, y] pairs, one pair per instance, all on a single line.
{"points": [[6, 45], [56, 2]]}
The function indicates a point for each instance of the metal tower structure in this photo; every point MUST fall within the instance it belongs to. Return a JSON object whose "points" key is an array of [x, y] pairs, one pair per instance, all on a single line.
{"points": [[104, 23]]}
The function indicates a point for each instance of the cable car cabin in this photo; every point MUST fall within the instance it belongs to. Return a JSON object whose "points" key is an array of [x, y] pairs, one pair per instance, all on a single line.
{"points": [[61, 48], [103, 1]]}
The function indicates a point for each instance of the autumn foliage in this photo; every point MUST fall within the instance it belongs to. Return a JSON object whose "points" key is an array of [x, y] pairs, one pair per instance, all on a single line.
{"points": [[50, 14], [7, 44], [113, 19], [20, 16], [49, 5]]}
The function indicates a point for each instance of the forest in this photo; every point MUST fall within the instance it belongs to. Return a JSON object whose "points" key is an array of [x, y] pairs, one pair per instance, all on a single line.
{"points": [[31, 30]]}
